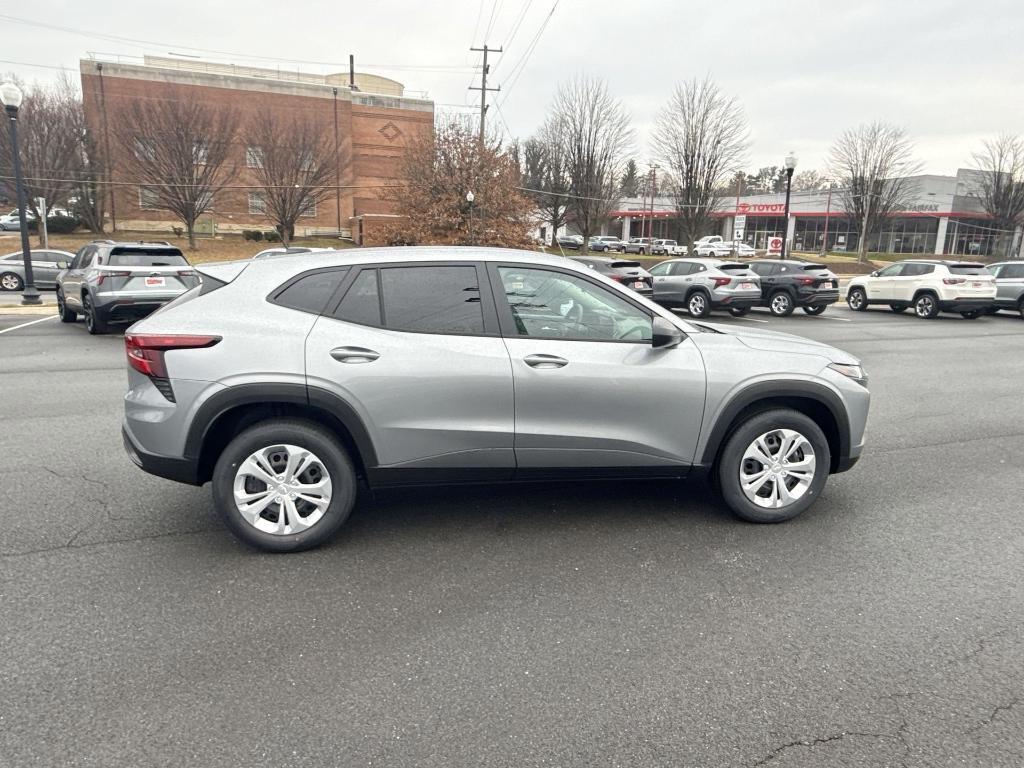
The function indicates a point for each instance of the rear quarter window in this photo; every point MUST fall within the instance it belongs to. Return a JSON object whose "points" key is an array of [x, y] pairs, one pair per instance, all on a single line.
{"points": [[310, 292]]}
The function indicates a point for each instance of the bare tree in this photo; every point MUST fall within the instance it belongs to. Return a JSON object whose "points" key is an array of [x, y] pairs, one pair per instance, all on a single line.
{"points": [[1000, 186], [545, 175], [49, 139], [810, 181], [874, 163], [180, 150], [293, 164], [701, 136], [595, 134], [438, 171]]}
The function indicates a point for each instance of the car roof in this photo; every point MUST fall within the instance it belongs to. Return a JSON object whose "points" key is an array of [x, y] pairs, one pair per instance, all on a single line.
{"points": [[943, 262]]}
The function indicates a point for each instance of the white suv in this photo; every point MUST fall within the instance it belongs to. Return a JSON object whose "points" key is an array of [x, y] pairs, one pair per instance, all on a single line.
{"points": [[929, 286]]}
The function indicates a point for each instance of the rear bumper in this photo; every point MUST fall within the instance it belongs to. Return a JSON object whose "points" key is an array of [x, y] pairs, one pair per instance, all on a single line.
{"points": [[966, 304], [122, 309], [168, 467], [740, 301]]}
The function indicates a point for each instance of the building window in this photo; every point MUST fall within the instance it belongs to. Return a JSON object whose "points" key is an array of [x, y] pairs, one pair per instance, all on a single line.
{"points": [[200, 153], [257, 203], [307, 164], [970, 237], [149, 199], [204, 202], [254, 157], [144, 149], [310, 210]]}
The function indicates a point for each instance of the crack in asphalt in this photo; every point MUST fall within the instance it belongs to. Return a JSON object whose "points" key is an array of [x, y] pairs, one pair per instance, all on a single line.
{"points": [[986, 721], [128, 540], [982, 644]]}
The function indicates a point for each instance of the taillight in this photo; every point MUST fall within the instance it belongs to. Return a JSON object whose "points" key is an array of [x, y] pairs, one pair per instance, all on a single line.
{"points": [[104, 275], [720, 281], [618, 278], [186, 272], [954, 280], [146, 354]]}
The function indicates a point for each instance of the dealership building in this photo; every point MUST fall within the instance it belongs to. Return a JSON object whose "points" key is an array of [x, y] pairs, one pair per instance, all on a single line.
{"points": [[944, 217], [370, 119]]}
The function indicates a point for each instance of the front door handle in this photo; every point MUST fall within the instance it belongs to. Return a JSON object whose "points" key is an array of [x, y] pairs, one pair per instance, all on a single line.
{"points": [[354, 354], [545, 361]]}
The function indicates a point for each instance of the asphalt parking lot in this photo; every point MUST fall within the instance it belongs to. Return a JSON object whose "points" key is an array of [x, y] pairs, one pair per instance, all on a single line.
{"points": [[592, 624]]}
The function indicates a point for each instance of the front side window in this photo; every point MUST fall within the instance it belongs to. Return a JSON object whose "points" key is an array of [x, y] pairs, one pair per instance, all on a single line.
{"points": [[554, 305], [432, 299], [891, 271]]}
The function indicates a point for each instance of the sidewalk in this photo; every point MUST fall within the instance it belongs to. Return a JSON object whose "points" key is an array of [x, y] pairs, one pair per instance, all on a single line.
{"points": [[10, 304]]}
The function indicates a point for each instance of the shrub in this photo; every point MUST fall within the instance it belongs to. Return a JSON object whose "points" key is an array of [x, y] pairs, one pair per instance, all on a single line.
{"points": [[61, 225], [252, 234], [272, 237]]}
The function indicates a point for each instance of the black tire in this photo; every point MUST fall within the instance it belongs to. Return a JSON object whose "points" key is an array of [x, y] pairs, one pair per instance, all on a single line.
{"points": [[739, 311], [972, 314], [66, 315], [731, 462], [11, 282], [897, 308], [781, 304], [1020, 308], [817, 309], [926, 306], [856, 299], [698, 304], [302, 434], [95, 325]]}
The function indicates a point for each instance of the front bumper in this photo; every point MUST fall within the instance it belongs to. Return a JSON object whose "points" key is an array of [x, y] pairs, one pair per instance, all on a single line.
{"points": [[168, 467]]}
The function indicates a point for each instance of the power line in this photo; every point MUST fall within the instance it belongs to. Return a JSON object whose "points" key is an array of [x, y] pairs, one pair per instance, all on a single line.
{"points": [[515, 27], [520, 65]]}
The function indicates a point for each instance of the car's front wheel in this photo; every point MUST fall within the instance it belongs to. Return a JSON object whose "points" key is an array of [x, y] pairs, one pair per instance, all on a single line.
{"points": [[66, 315], [780, 304], [698, 305], [774, 466], [817, 309], [284, 485], [11, 282]]}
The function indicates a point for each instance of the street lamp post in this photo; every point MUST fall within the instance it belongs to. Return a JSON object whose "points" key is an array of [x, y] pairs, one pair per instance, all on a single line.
{"points": [[11, 97], [470, 197], [790, 166], [828, 213]]}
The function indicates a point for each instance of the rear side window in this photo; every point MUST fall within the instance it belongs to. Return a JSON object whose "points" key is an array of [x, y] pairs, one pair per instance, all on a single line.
{"points": [[432, 299], [1012, 271], [148, 258], [362, 300], [916, 270], [310, 293]]}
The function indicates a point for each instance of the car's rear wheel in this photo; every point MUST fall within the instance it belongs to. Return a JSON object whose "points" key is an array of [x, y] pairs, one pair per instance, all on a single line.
{"points": [[857, 300], [698, 304], [284, 485], [93, 323], [817, 309], [66, 315], [780, 304], [11, 282], [773, 466], [1020, 308], [926, 306], [739, 311], [897, 308]]}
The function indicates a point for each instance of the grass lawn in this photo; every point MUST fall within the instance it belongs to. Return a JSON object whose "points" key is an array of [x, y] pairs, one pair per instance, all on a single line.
{"points": [[224, 248]]}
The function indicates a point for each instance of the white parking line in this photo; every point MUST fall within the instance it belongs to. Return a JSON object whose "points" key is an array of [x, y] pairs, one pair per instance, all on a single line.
{"points": [[751, 319], [840, 319], [25, 325]]}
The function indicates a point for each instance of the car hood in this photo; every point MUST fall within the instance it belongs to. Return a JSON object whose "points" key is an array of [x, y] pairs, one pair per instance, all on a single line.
{"points": [[773, 341]]}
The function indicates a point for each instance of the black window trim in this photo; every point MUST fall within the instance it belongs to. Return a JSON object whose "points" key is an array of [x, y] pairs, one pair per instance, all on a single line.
{"points": [[508, 323], [490, 316]]}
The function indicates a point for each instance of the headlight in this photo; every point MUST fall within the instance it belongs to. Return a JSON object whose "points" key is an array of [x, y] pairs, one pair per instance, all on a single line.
{"points": [[854, 372]]}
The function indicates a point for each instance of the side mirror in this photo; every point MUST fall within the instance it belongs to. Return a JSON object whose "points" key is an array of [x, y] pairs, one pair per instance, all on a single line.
{"points": [[63, 265], [875, 273], [664, 335]]}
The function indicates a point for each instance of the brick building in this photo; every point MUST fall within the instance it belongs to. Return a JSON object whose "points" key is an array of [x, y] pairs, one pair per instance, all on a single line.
{"points": [[371, 118]]}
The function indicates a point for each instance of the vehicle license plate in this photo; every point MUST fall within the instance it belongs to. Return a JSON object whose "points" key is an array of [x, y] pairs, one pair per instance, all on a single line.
{"points": [[747, 286], [977, 284], [638, 284], [155, 282]]}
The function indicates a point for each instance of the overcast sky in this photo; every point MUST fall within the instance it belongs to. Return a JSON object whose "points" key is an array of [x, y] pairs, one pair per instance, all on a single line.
{"points": [[949, 72]]}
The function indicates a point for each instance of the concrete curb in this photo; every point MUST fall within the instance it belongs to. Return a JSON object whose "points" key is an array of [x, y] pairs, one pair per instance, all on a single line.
{"points": [[43, 310]]}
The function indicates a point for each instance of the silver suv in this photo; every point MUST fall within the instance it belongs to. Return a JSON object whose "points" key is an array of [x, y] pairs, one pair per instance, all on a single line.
{"points": [[111, 283], [285, 382], [1009, 285], [701, 285]]}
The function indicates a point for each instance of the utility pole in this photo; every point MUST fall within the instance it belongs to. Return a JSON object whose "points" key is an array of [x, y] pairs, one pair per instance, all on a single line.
{"points": [[483, 87]]}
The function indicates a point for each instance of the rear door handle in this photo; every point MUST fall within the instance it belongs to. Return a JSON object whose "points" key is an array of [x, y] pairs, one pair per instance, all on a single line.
{"points": [[545, 361], [354, 354]]}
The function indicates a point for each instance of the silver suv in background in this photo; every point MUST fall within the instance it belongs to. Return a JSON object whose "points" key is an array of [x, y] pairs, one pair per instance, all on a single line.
{"points": [[500, 365], [110, 283], [701, 285], [1009, 285]]}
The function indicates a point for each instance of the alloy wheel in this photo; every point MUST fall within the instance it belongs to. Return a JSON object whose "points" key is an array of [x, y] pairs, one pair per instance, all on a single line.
{"points": [[855, 299], [282, 489], [10, 282], [780, 304], [925, 306], [777, 468], [697, 304]]}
